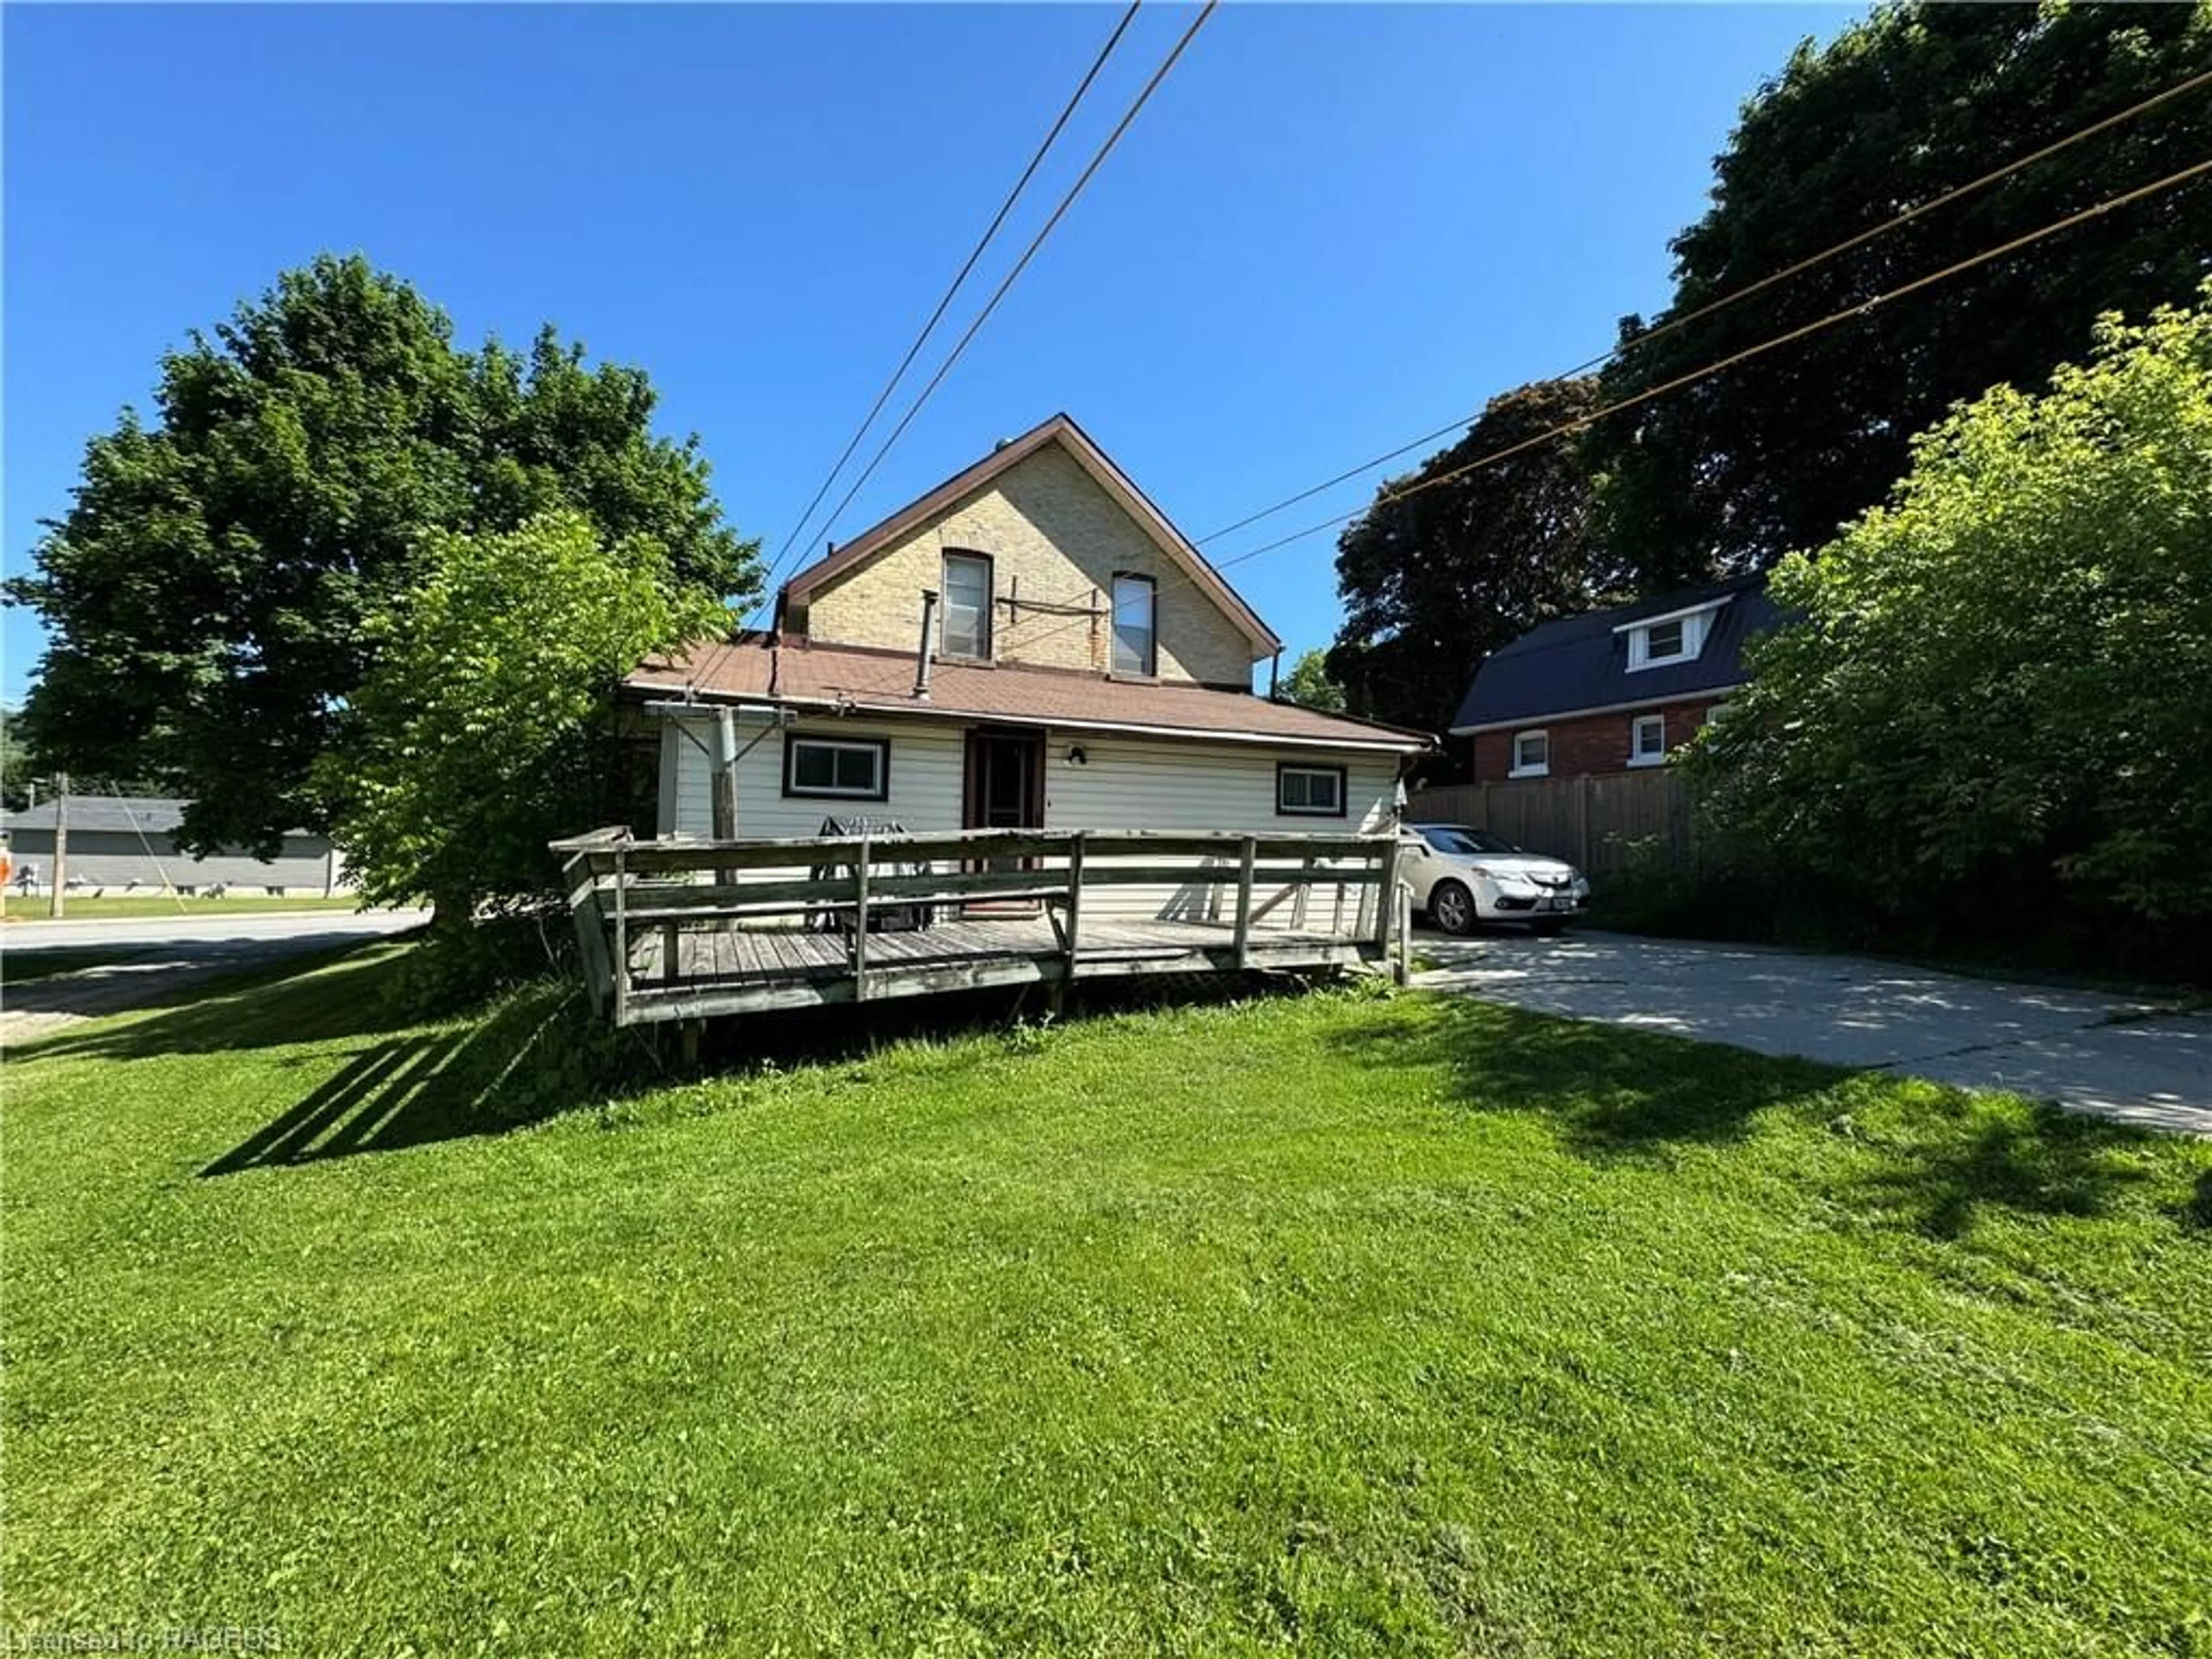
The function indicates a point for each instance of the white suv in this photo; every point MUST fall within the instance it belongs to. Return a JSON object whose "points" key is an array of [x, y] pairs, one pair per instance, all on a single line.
{"points": [[1461, 877]]}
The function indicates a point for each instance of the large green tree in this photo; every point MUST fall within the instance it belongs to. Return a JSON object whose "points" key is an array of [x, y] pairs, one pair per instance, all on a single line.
{"points": [[1898, 109], [208, 589], [1999, 703], [1435, 579]]}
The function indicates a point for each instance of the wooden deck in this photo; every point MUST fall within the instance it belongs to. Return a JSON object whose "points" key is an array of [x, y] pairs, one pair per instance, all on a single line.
{"points": [[689, 930]]}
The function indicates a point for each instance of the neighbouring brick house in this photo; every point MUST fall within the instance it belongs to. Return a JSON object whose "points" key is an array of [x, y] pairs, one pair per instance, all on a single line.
{"points": [[1610, 691], [1032, 644]]}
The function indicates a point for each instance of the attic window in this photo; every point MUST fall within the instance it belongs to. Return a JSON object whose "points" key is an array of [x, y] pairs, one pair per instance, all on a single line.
{"points": [[1135, 638], [967, 622], [1677, 637]]}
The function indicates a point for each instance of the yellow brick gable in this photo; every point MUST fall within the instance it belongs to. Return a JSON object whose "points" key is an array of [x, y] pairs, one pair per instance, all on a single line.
{"points": [[1056, 539]]}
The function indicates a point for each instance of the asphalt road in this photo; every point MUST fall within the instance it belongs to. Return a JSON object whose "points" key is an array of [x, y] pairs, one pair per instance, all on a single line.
{"points": [[161, 954], [2137, 1060]]}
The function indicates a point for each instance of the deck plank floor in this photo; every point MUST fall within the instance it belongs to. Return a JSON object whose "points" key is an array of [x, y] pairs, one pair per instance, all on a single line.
{"points": [[728, 969]]}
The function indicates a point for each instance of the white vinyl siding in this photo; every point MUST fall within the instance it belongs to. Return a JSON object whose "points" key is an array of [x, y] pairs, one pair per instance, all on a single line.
{"points": [[1122, 785], [925, 791]]}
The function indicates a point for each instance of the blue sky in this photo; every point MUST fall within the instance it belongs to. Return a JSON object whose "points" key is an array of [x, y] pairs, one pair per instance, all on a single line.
{"points": [[1333, 228]]}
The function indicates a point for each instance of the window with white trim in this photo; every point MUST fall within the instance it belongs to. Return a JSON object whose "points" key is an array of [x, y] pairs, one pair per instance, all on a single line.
{"points": [[966, 628], [1666, 640], [1647, 740], [1532, 754], [1136, 598], [837, 769], [1313, 792]]}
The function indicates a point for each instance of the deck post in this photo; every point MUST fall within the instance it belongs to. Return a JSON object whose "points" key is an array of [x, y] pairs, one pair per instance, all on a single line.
{"points": [[861, 922], [1244, 904], [1386, 899], [1298, 898], [621, 963], [1402, 966], [723, 785], [1074, 898], [692, 1029]]}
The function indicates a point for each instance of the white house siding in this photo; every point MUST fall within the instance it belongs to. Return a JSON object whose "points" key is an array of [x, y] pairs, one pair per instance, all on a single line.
{"points": [[1125, 784], [926, 761]]}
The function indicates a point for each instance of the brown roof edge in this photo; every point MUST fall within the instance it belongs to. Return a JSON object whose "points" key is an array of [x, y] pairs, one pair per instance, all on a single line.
{"points": [[1093, 459]]}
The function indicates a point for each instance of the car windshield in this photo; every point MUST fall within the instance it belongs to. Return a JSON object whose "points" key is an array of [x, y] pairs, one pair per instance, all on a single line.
{"points": [[1451, 838]]}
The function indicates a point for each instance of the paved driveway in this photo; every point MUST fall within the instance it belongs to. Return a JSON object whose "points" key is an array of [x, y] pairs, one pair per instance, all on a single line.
{"points": [[154, 956], [2129, 1060]]}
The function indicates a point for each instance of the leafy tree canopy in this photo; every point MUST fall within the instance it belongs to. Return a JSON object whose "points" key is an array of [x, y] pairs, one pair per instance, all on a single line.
{"points": [[1911, 102], [1999, 698], [485, 727], [1308, 684], [209, 588], [1436, 581]]}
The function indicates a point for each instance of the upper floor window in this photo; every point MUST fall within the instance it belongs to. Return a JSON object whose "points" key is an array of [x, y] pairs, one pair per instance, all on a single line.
{"points": [[1659, 641], [967, 622], [1135, 645]]}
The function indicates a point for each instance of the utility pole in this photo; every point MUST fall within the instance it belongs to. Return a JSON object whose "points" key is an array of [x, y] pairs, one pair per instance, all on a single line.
{"points": [[56, 904]]}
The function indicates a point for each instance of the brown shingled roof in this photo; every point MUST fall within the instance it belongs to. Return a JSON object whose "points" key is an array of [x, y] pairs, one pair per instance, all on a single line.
{"points": [[802, 674]]}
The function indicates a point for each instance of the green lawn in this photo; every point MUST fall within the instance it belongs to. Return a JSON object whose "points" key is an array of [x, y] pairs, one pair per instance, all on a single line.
{"points": [[27, 912], [1339, 1325]]}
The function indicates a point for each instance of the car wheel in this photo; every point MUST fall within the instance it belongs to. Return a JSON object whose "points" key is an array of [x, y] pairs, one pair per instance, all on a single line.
{"points": [[1451, 907]]}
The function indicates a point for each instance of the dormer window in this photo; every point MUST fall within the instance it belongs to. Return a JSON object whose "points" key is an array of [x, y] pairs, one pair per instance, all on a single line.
{"points": [[967, 624], [1675, 637]]}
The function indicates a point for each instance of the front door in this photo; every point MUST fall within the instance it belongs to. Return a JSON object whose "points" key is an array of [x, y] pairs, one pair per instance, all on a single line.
{"points": [[1005, 790]]}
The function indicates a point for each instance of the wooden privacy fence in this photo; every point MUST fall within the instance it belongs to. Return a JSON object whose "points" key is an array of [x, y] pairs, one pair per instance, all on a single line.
{"points": [[1595, 823], [681, 930]]}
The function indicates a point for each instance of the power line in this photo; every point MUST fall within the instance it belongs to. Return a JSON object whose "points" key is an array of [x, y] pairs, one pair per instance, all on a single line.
{"points": [[1022, 263], [1764, 283], [791, 542], [1579, 423], [2131, 112]]}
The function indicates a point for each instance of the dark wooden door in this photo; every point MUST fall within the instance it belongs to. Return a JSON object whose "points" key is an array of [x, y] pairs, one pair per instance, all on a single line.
{"points": [[1005, 791]]}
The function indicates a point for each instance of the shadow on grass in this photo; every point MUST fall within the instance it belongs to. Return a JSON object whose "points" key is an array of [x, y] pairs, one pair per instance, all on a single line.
{"points": [[312, 997], [538, 1054], [534, 1056], [1932, 1161]]}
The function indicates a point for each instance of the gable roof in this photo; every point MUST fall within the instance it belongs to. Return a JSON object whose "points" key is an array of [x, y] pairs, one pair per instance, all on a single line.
{"points": [[1579, 665], [1062, 430], [860, 679]]}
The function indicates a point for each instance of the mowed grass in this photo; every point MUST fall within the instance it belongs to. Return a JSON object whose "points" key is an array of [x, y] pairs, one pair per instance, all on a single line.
{"points": [[114, 907], [1336, 1324]]}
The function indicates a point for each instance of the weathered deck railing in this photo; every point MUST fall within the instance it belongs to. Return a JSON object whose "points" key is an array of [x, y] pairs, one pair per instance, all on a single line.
{"points": [[683, 929]]}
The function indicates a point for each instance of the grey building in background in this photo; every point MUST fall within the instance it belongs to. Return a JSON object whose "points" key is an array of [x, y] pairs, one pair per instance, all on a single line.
{"points": [[127, 843]]}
